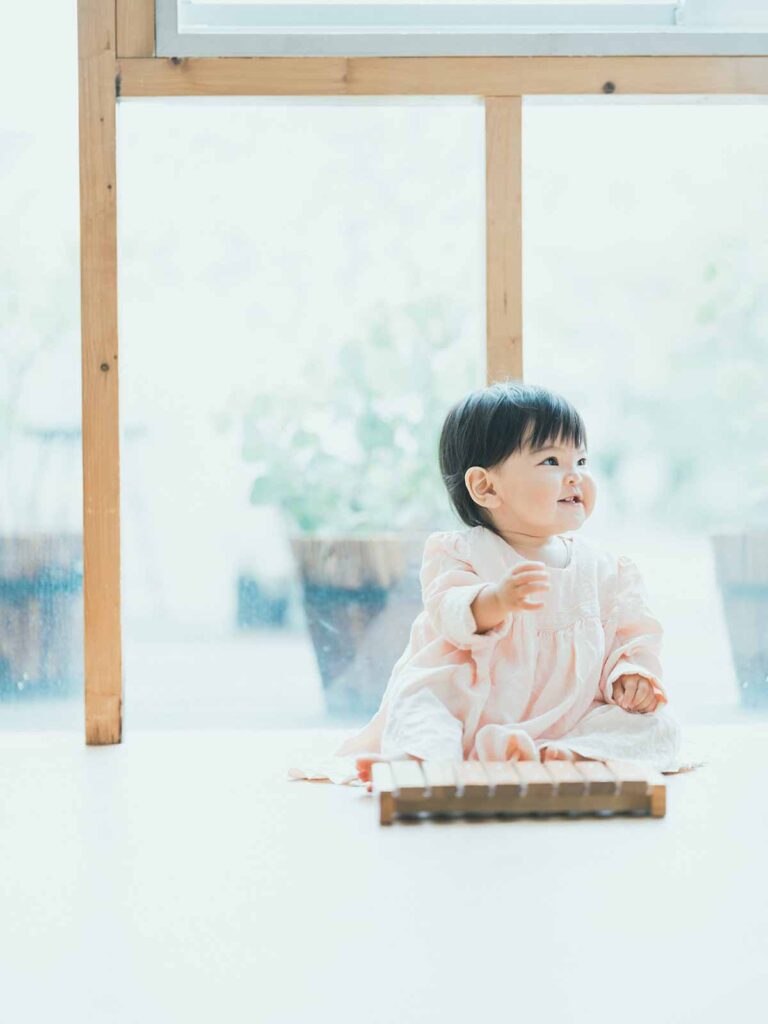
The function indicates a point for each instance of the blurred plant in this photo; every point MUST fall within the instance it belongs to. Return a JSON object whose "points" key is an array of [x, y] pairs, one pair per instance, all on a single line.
{"points": [[351, 445], [724, 369], [704, 418], [34, 318]]}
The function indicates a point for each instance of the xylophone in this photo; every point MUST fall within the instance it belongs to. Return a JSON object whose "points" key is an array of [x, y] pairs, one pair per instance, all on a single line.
{"points": [[408, 789]]}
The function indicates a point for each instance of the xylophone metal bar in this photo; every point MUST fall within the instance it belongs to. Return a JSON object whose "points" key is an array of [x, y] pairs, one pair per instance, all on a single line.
{"points": [[471, 788]]}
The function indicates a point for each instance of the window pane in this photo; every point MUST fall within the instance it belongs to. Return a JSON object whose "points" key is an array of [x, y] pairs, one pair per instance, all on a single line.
{"points": [[41, 605], [253, 15], [302, 296], [646, 240]]}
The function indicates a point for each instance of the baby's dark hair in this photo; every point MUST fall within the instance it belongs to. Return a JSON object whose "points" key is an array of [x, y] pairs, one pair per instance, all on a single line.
{"points": [[489, 424]]}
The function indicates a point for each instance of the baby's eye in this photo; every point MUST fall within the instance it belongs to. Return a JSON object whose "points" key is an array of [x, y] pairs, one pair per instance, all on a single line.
{"points": [[583, 459]]}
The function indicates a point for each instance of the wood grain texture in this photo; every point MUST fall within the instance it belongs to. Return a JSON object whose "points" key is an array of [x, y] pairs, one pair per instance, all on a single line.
{"points": [[503, 238], [101, 471], [135, 28], [473, 76]]}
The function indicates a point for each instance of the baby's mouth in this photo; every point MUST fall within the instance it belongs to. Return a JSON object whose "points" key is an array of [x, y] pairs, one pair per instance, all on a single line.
{"points": [[570, 501]]}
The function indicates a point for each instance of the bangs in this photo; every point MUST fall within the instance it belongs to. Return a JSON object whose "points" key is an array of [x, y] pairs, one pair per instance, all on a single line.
{"points": [[553, 428], [526, 417]]}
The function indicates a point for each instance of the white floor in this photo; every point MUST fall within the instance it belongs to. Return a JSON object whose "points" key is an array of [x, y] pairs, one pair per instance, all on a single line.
{"points": [[179, 876]]}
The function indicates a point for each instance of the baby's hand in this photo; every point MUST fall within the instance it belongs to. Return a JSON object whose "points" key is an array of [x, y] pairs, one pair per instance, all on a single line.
{"points": [[513, 588], [636, 693]]}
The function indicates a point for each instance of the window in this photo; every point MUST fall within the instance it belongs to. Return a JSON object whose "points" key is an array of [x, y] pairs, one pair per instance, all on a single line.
{"points": [[556, 27], [41, 497], [302, 295], [645, 243]]}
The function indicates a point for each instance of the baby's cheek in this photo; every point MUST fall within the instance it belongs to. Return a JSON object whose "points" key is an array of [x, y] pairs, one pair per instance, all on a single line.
{"points": [[589, 494]]}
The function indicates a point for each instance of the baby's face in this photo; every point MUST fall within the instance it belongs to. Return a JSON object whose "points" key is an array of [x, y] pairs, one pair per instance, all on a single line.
{"points": [[531, 485]]}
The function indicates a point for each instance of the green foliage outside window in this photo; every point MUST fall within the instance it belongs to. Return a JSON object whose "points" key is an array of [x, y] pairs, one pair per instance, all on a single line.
{"points": [[352, 445]]}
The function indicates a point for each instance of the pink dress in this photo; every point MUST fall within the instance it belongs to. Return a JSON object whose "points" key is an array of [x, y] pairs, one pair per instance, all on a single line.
{"points": [[541, 677]]}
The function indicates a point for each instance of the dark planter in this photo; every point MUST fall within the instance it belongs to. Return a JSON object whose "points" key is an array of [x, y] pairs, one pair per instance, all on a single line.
{"points": [[741, 568], [41, 615], [259, 606], [360, 596]]}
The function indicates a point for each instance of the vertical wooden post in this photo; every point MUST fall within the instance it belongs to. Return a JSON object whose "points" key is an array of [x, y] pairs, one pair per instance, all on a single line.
{"points": [[98, 285], [504, 237]]}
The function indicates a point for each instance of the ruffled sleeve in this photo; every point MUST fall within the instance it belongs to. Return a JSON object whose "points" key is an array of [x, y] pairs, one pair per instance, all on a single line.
{"points": [[633, 634], [449, 585], [437, 692]]}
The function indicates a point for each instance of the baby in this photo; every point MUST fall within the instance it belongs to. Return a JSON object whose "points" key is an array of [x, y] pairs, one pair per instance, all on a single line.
{"points": [[533, 643]]}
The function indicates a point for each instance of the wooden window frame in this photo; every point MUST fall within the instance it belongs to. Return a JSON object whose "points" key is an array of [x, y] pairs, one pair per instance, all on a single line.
{"points": [[116, 57]]}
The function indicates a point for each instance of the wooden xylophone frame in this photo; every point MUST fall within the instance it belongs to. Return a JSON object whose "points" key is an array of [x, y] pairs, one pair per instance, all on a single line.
{"points": [[446, 789]]}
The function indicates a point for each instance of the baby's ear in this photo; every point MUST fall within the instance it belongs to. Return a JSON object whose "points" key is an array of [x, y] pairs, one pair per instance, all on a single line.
{"points": [[480, 487]]}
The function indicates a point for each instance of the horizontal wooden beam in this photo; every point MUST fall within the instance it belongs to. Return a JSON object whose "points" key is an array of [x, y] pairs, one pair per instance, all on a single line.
{"points": [[479, 76]]}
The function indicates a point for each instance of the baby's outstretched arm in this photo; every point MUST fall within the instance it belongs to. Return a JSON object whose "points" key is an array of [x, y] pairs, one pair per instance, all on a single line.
{"points": [[430, 699], [497, 600]]}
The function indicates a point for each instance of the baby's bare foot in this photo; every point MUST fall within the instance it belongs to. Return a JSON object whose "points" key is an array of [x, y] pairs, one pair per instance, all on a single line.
{"points": [[363, 765]]}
